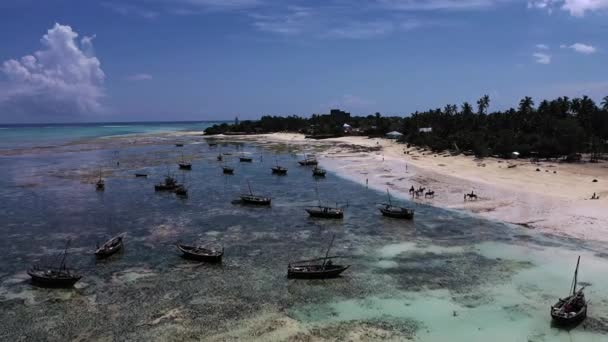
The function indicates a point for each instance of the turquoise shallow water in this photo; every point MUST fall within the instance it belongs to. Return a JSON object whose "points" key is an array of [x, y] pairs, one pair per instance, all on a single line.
{"points": [[446, 276], [39, 135]]}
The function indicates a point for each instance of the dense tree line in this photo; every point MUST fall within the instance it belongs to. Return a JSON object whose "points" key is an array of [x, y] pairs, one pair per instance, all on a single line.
{"points": [[557, 128]]}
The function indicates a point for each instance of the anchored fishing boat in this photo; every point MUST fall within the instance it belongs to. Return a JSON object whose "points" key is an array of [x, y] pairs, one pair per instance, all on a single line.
{"points": [[109, 247], [321, 268], [51, 276], [279, 170], [201, 253], [184, 165], [318, 172], [169, 184], [141, 175], [254, 199], [245, 159], [100, 185], [389, 210], [322, 211], [308, 161], [572, 309]]}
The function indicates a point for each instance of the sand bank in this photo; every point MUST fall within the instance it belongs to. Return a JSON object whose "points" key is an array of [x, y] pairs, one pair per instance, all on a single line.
{"points": [[554, 199]]}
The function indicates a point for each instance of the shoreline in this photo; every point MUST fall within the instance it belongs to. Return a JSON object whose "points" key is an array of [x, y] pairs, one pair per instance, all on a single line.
{"points": [[553, 200]]}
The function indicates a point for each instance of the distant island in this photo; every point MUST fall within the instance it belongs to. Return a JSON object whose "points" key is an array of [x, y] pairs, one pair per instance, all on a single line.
{"points": [[559, 128]]}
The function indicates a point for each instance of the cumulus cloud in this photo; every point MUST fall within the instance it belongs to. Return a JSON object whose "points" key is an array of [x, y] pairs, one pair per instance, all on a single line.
{"points": [[63, 79], [542, 46], [583, 48], [139, 77], [542, 58]]}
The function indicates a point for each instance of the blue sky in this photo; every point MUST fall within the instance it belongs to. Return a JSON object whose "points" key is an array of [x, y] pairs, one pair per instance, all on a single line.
{"points": [[69, 60]]}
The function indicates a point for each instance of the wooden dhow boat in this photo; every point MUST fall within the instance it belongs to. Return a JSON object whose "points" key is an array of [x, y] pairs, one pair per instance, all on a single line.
{"points": [[390, 210], [318, 172], [325, 212], [201, 253], [100, 185], [571, 310], [169, 184], [245, 159], [184, 165], [51, 276], [308, 161], [254, 199], [279, 170], [321, 268], [109, 247]]}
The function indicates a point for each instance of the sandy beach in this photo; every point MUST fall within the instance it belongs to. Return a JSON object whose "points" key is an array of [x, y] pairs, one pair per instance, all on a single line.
{"points": [[555, 199]]}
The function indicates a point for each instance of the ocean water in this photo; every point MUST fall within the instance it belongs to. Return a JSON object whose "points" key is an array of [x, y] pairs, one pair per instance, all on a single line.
{"points": [[445, 276], [44, 135]]}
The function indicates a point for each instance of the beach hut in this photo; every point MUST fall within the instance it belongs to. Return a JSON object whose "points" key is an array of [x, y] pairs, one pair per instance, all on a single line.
{"points": [[394, 135]]}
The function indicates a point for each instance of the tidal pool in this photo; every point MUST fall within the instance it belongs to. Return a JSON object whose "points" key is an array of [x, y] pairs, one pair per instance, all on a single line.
{"points": [[445, 276]]}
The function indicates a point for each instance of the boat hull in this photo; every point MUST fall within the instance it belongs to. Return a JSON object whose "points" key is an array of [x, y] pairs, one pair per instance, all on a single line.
{"points": [[53, 282], [569, 321], [102, 253], [398, 215], [185, 166], [327, 215], [279, 171], [334, 272], [211, 258]]}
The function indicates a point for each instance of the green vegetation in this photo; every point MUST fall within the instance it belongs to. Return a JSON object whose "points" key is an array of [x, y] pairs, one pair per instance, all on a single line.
{"points": [[558, 128]]}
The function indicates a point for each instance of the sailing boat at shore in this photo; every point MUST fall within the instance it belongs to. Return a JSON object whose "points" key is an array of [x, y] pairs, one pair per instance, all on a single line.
{"points": [[322, 211], [109, 247], [308, 161], [321, 268], [183, 164], [278, 170], [390, 210], [51, 276], [572, 309], [254, 199], [169, 184], [100, 185]]}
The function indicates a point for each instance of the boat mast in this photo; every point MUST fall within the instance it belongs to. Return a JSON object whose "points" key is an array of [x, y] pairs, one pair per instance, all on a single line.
{"points": [[249, 185], [389, 197], [328, 248], [65, 254], [575, 280]]}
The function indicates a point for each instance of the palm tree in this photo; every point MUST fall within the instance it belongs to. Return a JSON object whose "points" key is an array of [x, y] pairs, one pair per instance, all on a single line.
{"points": [[483, 103], [526, 104], [605, 103], [466, 109]]}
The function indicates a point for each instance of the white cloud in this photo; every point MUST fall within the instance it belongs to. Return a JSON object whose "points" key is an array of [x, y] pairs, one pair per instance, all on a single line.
{"points": [[583, 48], [361, 30], [139, 77], [126, 9], [577, 8], [542, 46], [542, 58], [424, 5], [63, 79]]}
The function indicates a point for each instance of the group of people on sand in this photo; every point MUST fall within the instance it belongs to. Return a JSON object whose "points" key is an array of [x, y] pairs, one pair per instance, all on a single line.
{"points": [[594, 197]]}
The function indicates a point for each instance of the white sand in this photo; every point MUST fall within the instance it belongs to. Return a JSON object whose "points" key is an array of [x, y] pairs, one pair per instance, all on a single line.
{"points": [[556, 203]]}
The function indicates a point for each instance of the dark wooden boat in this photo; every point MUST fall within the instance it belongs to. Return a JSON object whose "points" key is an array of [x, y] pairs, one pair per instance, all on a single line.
{"points": [[322, 268], [179, 145], [110, 247], [50, 276], [253, 199], [325, 212], [227, 170], [201, 253], [279, 170], [183, 164], [181, 190], [389, 210], [169, 184], [144, 175], [318, 172], [100, 185], [571, 310], [245, 159], [308, 161], [397, 212], [220, 157]]}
